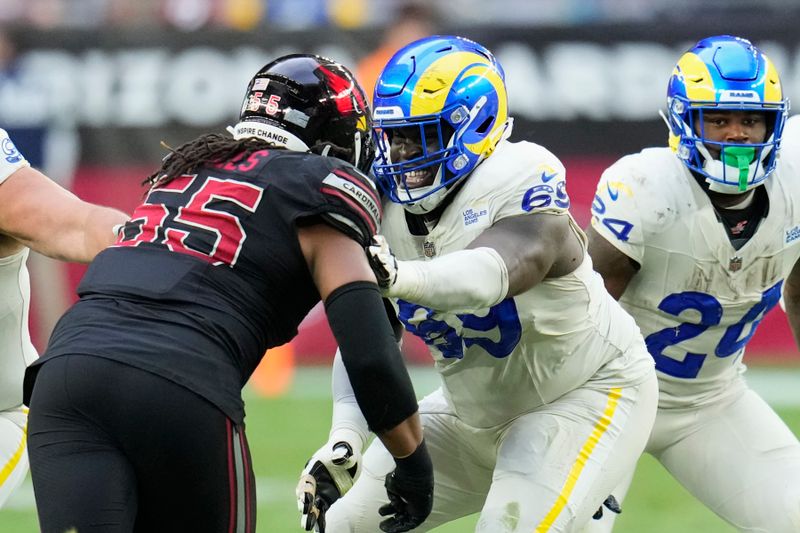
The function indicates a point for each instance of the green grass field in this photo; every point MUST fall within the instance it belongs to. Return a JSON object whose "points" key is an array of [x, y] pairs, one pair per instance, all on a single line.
{"points": [[283, 432]]}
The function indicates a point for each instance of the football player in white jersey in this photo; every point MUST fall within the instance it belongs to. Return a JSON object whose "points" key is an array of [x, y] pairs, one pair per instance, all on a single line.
{"points": [[698, 240], [548, 393], [35, 213]]}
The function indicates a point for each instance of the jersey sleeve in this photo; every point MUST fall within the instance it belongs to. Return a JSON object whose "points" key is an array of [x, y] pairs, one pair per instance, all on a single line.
{"points": [[616, 209], [326, 189], [533, 181], [353, 201]]}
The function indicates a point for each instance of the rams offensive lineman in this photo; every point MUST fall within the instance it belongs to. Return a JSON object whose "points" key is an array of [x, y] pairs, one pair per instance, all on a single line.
{"points": [[698, 248], [547, 394], [38, 214]]}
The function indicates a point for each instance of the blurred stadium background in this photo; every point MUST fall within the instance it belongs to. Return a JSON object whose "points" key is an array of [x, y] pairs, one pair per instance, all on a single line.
{"points": [[89, 89]]}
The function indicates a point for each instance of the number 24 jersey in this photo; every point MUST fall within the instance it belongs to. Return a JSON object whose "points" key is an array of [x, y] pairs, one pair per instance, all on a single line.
{"points": [[696, 298]]}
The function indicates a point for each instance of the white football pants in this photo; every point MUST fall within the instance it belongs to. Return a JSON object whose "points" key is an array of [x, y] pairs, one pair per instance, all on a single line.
{"points": [[13, 452], [736, 456], [546, 471]]}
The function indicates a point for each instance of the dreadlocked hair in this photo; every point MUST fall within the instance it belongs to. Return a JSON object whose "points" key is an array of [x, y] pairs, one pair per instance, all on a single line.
{"points": [[208, 148]]}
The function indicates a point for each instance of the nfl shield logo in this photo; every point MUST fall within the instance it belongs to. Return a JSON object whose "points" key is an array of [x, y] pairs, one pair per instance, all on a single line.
{"points": [[735, 263], [429, 248]]}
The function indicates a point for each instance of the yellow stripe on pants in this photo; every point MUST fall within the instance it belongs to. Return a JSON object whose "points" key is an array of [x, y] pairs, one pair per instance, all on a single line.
{"points": [[14, 461], [583, 455]]}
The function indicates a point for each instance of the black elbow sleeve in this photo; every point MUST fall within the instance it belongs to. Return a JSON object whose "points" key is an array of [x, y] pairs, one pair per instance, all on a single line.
{"points": [[370, 355]]}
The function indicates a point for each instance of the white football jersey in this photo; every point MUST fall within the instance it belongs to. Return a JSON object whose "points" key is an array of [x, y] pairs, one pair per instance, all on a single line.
{"points": [[696, 299], [528, 350], [16, 350]]}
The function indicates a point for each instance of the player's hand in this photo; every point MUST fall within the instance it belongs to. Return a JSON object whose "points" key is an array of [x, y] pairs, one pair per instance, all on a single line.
{"points": [[611, 504], [382, 261], [10, 158], [410, 490], [328, 475]]}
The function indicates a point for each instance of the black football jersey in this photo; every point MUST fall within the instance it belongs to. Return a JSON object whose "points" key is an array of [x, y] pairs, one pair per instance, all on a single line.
{"points": [[208, 273]]}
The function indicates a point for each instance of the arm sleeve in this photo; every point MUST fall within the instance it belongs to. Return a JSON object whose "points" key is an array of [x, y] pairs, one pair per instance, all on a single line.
{"points": [[347, 423], [353, 201], [616, 211], [465, 280], [377, 373]]}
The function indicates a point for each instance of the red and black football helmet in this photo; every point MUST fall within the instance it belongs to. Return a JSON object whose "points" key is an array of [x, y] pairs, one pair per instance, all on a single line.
{"points": [[309, 103]]}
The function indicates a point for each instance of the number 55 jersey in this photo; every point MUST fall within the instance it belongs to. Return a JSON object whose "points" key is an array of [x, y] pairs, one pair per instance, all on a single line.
{"points": [[211, 261], [697, 298]]}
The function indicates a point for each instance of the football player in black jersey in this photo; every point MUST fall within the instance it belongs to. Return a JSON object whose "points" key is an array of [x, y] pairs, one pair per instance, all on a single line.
{"points": [[137, 420]]}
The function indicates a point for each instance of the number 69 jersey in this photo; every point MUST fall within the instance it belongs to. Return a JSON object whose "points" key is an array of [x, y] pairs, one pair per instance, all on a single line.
{"points": [[696, 298], [528, 350]]}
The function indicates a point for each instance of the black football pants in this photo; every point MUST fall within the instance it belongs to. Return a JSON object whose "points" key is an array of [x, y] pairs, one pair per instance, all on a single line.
{"points": [[117, 449]]}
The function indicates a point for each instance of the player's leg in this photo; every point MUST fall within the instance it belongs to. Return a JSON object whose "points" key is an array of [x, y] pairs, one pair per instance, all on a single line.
{"points": [[605, 523], [195, 473], [742, 462], [13, 453], [80, 479], [191, 463], [558, 464], [462, 460]]}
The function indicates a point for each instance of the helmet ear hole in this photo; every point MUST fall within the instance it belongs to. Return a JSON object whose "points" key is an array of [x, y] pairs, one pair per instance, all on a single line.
{"points": [[484, 126]]}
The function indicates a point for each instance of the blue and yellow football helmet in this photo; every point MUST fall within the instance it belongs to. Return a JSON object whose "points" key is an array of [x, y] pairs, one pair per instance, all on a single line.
{"points": [[449, 85], [723, 73]]}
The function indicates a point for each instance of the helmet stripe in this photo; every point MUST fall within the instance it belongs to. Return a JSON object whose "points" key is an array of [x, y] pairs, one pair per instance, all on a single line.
{"points": [[697, 79], [431, 91], [772, 88]]}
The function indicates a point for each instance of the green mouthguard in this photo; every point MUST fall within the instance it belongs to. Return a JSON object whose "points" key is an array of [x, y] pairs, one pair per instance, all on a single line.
{"points": [[739, 157]]}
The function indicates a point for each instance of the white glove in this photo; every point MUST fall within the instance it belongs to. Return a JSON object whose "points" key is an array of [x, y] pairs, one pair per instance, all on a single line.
{"points": [[328, 475], [10, 158], [383, 262]]}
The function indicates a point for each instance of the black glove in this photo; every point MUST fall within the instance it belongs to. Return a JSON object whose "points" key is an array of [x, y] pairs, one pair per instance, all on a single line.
{"points": [[611, 504], [410, 490]]}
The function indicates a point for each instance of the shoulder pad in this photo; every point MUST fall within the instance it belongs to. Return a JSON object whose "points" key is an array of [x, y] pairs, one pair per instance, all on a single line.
{"points": [[522, 178], [354, 201]]}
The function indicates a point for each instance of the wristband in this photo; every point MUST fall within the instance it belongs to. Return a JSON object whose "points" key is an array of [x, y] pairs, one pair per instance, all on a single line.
{"points": [[418, 462]]}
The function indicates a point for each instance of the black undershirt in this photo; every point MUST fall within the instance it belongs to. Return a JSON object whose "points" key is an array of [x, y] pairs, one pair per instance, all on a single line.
{"points": [[741, 224]]}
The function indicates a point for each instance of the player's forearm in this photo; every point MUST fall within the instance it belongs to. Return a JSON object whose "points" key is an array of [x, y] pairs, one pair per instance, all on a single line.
{"points": [[403, 439], [464, 280], [51, 220], [100, 231], [77, 233]]}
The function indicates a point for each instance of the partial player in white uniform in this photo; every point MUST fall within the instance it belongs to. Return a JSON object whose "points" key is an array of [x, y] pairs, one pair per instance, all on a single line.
{"points": [[547, 394], [38, 214], [698, 248]]}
